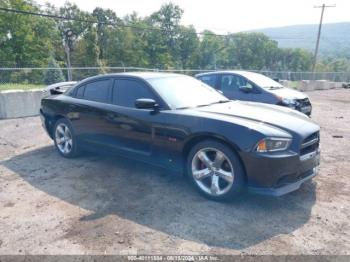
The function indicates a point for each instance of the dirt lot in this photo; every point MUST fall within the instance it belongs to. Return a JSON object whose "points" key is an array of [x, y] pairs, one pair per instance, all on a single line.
{"points": [[103, 205]]}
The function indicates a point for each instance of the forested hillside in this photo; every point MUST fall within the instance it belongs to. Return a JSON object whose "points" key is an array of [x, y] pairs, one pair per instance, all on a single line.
{"points": [[335, 38]]}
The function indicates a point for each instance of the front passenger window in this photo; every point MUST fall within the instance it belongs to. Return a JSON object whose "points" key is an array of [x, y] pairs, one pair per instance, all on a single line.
{"points": [[245, 82], [230, 83], [125, 92]]}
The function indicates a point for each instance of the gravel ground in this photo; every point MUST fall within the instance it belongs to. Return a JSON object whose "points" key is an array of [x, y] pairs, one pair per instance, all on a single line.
{"points": [[103, 205]]}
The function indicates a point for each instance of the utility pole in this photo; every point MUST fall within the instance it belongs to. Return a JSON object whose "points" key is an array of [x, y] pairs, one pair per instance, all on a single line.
{"points": [[319, 33], [215, 53], [68, 43]]}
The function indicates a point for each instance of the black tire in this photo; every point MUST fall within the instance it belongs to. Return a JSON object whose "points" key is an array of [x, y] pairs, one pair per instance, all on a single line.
{"points": [[73, 149], [232, 161]]}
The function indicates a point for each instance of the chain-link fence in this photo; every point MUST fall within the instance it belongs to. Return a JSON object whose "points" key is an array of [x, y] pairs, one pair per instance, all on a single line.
{"points": [[298, 76], [36, 76]]}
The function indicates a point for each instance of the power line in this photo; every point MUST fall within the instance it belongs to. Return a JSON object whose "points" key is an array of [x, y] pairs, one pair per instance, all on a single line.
{"points": [[96, 22], [123, 25]]}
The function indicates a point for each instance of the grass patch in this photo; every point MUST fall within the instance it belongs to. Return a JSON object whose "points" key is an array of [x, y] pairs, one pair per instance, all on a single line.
{"points": [[19, 86], [295, 84]]}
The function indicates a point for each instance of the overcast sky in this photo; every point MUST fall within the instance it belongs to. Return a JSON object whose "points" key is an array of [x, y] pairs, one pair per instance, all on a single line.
{"points": [[222, 16]]}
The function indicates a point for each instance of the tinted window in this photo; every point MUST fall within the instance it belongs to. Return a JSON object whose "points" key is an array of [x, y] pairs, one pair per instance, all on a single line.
{"points": [[125, 92], [97, 91], [80, 92], [209, 80], [232, 83]]}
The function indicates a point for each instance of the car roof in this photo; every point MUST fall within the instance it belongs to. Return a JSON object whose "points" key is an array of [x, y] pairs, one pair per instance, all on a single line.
{"points": [[246, 74], [70, 83], [142, 75]]}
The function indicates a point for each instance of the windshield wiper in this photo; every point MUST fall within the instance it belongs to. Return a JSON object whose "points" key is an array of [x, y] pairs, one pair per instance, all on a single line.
{"points": [[274, 87], [217, 102], [185, 107], [222, 101]]}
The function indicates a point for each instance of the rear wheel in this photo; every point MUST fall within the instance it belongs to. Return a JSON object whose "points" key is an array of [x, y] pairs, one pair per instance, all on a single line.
{"points": [[65, 141], [215, 170]]}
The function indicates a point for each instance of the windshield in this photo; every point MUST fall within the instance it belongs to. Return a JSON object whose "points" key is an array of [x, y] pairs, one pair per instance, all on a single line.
{"points": [[263, 81], [185, 92]]}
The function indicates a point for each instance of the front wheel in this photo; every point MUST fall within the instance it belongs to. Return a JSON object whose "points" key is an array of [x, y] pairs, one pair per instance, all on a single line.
{"points": [[65, 141], [215, 170]]}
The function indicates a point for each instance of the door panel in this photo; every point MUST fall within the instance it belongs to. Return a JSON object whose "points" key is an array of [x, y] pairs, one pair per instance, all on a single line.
{"points": [[87, 113], [146, 135], [230, 85], [130, 129]]}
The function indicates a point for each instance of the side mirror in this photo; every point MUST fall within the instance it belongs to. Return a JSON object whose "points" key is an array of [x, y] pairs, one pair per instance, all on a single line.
{"points": [[146, 103], [246, 89]]}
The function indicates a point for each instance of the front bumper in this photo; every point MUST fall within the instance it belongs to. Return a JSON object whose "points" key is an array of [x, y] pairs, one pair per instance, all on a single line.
{"points": [[277, 175], [285, 189], [305, 109], [303, 105]]}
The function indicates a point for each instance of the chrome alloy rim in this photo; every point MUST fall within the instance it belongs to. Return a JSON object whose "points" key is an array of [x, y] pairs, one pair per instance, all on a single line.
{"points": [[63, 138], [212, 171]]}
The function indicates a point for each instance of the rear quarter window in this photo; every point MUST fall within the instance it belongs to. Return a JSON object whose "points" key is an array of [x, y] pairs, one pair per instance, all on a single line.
{"points": [[80, 92]]}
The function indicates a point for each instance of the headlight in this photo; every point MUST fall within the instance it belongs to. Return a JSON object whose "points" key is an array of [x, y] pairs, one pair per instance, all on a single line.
{"points": [[273, 144], [289, 102]]}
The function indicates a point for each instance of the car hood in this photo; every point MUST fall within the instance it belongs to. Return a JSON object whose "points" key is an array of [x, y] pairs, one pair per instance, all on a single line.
{"points": [[277, 116], [288, 93]]}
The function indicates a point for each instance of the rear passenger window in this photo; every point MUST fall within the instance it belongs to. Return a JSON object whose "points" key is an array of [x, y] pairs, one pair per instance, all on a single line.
{"points": [[97, 91], [209, 80], [125, 92]]}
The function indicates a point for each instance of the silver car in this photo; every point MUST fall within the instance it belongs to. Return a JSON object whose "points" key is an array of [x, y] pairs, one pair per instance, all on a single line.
{"points": [[249, 86]]}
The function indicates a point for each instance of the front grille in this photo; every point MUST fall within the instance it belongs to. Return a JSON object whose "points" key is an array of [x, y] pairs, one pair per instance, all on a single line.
{"points": [[311, 138], [310, 144]]}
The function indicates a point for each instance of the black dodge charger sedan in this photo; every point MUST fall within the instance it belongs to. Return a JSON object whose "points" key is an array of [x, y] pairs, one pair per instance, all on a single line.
{"points": [[178, 122]]}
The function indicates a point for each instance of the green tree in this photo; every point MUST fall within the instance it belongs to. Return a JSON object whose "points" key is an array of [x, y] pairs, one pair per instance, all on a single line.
{"points": [[188, 43], [251, 51], [86, 54], [105, 18], [78, 27], [54, 73], [127, 45], [210, 51], [167, 20], [295, 59], [25, 40]]}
